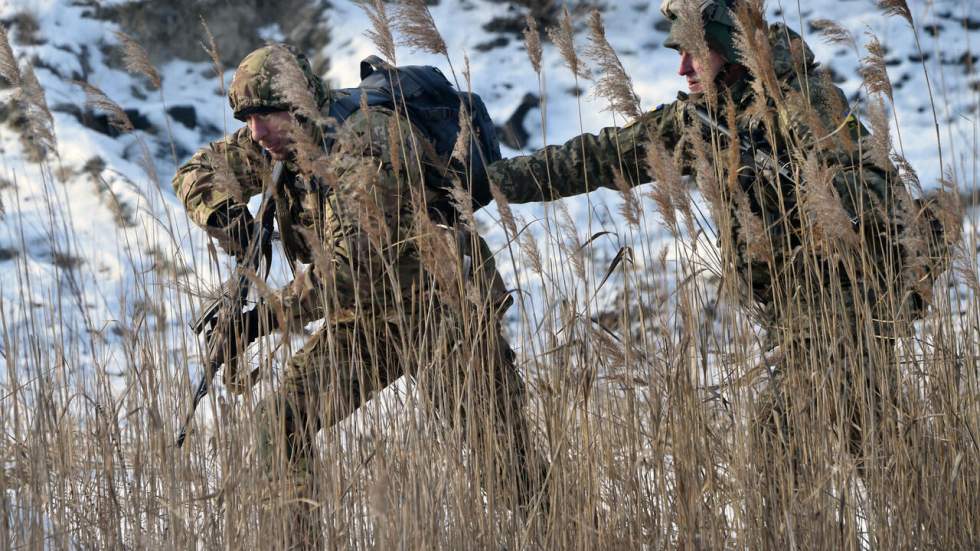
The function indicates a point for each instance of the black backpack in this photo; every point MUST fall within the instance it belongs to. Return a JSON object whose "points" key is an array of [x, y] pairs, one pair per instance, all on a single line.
{"points": [[433, 105]]}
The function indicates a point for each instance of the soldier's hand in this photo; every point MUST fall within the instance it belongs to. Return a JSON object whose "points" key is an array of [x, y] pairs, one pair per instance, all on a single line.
{"points": [[228, 340], [232, 227]]}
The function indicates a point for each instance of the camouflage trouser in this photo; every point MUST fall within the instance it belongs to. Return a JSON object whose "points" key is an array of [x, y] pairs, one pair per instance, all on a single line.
{"points": [[473, 383], [824, 400]]}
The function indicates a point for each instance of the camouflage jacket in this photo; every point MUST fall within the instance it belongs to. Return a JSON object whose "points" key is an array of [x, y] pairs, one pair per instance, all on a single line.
{"points": [[810, 120], [355, 221]]}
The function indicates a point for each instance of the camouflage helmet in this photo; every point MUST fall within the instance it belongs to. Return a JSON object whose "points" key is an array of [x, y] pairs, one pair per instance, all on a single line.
{"points": [[717, 19], [262, 83]]}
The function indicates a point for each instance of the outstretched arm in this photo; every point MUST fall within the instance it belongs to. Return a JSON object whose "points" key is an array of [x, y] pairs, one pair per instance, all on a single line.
{"points": [[587, 162]]}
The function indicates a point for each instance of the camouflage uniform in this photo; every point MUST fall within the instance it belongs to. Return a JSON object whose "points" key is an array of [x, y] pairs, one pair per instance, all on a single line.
{"points": [[800, 289], [355, 219]]}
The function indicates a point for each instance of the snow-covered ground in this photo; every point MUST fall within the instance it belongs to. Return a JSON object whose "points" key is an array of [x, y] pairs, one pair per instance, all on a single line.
{"points": [[91, 235]]}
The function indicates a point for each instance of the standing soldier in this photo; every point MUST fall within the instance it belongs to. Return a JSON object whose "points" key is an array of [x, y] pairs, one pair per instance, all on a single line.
{"points": [[809, 222], [352, 203]]}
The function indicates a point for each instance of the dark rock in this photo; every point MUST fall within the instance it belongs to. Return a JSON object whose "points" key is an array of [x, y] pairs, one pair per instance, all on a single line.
{"points": [[26, 28], [970, 24], [966, 59], [893, 62], [173, 29], [499, 42], [64, 260], [919, 58], [7, 253], [512, 133], [511, 24], [184, 114], [900, 83], [100, 121], [94, 166], [933, 29]]}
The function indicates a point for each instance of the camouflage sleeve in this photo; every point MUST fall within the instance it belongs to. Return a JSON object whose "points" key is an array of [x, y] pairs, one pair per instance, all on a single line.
{"points": [[365, 256], [216, 183], [589, 161]]}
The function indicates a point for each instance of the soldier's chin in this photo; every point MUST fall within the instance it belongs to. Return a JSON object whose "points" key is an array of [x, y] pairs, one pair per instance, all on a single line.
{"points": [[695, 87], [279, 153]]}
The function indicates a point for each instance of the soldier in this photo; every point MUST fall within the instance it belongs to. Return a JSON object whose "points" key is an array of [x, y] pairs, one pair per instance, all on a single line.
{"points": [[352, 202], [808, 218]]}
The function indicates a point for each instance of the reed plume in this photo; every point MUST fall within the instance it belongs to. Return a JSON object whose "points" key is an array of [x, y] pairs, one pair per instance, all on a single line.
{"points": [[136, 59], [630, 209], [461, 148], [211, 48], [898, 8], [755, 53], [753, 230], [380, 33], [9, 69], [532, 42], [667, 183], [834, 33], [291, 84], [875, 72], [414, 22], [829, 223], [880, 140], [39, 119], [613, 84], [97, 100], [564, 38], [529, 246], [506, 214], [705, 168], [462, 202]]}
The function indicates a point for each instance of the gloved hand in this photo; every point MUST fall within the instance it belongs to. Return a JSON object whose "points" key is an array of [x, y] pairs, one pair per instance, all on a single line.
{"points": [[226, 342], [232, 226]]}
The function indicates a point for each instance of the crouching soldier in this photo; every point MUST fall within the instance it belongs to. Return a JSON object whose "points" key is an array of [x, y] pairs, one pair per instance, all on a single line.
{"points": [[809, 217], [402, 291]]}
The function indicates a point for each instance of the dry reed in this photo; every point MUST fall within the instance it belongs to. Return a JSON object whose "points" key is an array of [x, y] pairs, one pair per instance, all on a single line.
{"points": [[136, 59], [563, 37], [413, 21], [613, 84], [532, 42], [9, 69], [381, 28], [96, 99]]}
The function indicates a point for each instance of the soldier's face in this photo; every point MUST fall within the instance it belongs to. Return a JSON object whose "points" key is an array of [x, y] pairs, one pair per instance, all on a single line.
{"points": [[697, 72], [272, 131]]}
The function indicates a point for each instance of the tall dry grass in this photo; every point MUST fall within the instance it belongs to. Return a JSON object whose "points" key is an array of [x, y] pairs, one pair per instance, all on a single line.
{"points": [[647, 412]]}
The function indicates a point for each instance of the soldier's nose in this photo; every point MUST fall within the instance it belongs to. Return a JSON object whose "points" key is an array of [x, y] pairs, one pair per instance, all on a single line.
{"points": [[686, 66], [257, 128]]}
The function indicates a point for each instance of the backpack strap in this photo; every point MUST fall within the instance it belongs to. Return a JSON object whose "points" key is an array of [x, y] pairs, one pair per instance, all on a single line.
{"points": [[372, 64]]}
